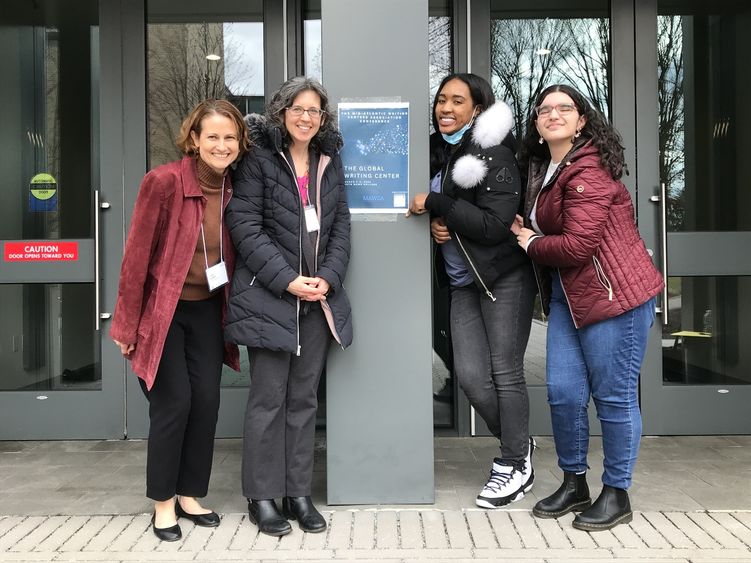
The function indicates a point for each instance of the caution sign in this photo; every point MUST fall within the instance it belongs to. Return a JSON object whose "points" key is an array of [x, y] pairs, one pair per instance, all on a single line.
{"points": [[40, 251], [43, 193]]}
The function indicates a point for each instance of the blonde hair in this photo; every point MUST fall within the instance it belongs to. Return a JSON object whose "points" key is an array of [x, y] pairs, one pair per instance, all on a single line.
{"points": [[205, 108]]}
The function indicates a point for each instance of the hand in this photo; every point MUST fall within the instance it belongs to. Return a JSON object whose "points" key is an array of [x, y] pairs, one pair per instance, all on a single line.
{"points": [[439, 230], [308, 289], [418, 205], [125, 349], [324, 286], [523, 237], [517, 225]]}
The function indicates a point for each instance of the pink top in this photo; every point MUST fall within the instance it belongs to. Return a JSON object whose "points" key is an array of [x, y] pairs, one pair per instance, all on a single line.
{"points": [[302, 184]]}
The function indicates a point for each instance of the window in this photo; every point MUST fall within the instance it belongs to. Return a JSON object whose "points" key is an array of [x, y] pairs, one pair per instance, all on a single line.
{"points": [[195, 52]]}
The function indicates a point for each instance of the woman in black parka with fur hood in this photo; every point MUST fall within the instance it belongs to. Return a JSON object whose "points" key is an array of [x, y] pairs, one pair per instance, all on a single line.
{"points": [[290, 222], [475, 192]]}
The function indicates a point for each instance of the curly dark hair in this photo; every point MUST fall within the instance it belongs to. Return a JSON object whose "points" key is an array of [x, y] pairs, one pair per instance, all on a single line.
{"points": [[285, 96], [482, 96], [596, 129]]}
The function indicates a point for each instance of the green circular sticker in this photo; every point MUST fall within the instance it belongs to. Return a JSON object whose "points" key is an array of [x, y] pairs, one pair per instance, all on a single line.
{"points": [[43, 186]]}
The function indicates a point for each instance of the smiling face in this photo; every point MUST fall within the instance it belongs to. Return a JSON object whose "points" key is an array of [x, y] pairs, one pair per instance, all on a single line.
{"points": [[454, 106], [302, 128], [217, 144], [558, 126]]}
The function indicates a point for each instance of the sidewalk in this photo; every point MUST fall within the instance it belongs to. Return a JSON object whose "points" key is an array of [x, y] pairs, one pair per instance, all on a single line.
{"points": [[82, 501]]}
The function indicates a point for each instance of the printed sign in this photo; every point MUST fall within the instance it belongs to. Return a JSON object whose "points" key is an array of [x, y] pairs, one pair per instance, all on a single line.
{"points": [[375, 156], [40, 251], [43, 193]]}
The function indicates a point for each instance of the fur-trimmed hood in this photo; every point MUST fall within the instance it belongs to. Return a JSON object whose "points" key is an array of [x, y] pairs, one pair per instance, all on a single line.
{"points": [[263, 134], [490, 129]]}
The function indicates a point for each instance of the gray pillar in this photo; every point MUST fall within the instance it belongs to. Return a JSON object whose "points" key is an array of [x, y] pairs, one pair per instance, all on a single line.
{"points": [[378, 398]]}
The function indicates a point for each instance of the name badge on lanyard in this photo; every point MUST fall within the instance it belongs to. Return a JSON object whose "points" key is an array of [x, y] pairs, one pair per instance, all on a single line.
{"points": [[216, 275], [311, 218]]}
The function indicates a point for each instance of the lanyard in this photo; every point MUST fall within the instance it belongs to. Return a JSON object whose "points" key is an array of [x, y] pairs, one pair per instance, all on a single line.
{"points": [[221, 220]]}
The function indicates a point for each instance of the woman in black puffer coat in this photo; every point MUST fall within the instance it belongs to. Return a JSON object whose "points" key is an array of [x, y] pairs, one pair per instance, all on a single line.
{"points": [[290, 222], [475, 191]]}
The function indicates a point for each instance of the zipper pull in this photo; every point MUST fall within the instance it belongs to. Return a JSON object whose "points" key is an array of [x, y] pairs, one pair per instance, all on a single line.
{"points": [[298, 349], [487, 292]]}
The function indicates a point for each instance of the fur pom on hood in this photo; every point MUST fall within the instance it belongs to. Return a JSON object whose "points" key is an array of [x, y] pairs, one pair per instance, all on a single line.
{"points": [[469, 171], [265, 135], [492, 125], [489, 130]]}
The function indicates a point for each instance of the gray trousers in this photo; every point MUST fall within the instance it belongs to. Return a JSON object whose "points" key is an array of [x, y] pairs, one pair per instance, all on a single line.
{"points": [[489, 339], [281, 414]]}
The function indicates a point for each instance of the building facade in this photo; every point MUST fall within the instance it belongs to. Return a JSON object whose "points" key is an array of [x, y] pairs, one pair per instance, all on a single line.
{"points": [[93, 93]]}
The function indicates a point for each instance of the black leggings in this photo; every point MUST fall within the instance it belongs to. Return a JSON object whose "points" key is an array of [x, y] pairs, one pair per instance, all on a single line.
{"points": [[184, 402]]}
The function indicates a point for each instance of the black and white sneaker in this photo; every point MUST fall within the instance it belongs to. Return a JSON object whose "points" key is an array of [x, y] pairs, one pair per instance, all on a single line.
{"points": [[504, 486], [507, 483]]}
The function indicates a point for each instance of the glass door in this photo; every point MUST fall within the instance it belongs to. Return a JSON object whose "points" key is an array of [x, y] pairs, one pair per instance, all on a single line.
{"points": [[53, 383], [695, 189]]}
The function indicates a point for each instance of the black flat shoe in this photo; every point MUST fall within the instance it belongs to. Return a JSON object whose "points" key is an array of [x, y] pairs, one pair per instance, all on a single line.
{"points": [[265, 515], [210, 520], [571, 496], [611, 508], [302, 510], [173, 533]]}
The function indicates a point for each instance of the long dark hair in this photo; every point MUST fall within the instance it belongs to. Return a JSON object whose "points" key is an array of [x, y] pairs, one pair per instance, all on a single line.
{"points": [[596, 129], [482, 96]]}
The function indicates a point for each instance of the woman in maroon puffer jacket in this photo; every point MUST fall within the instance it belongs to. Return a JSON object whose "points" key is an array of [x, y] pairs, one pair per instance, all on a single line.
{"points": [[597, 283]]}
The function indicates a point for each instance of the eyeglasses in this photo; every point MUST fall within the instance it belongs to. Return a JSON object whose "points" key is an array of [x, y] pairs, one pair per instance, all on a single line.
{"points": [[561, 109], [314, 113]]}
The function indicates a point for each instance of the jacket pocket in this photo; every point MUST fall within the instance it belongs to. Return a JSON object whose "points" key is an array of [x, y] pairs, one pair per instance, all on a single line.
{"points": [[602, 278]]}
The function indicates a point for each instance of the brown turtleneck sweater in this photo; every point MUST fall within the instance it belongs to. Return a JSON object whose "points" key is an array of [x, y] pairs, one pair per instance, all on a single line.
{"points": [[196, 287]]}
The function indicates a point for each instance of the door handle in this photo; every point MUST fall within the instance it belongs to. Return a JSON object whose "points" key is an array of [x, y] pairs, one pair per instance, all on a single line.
{"points": [[98, 315], [663, 201]]}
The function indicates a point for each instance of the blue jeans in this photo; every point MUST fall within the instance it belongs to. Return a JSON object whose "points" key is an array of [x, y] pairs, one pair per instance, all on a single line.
{"points": [[488, 341], [602, 360]]}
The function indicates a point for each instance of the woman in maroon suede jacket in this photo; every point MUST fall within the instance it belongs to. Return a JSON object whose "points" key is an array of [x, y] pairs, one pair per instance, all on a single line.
{"points": [[171, 306], [598, 283]]}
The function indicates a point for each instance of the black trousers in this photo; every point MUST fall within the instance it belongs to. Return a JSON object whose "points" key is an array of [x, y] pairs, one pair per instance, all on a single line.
{"points": [[280, 418], [184, 402]]}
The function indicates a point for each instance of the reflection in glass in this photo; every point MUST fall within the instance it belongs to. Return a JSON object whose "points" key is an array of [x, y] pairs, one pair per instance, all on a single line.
{"points": [[49, 94], [48, 336], [440, 63], [702, 344], [703, 87], [440, 45], [189, 61], [312, 39], [527, 55]]}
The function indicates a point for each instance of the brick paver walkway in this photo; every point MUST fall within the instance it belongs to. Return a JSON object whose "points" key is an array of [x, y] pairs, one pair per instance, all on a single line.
{"points": [[387, 535]]}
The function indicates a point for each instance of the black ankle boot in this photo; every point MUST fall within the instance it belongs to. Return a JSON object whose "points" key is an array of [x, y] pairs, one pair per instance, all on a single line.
{"points": [[265, 515], [611, 508], [302, 510], [573, 494]]}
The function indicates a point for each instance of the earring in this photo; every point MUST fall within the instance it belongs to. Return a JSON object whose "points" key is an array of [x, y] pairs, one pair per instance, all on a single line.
{"points": [[541, 141], [576, 136]]}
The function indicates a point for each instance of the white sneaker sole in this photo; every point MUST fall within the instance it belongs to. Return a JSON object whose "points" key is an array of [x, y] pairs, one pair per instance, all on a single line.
{"points": [[484, 502]]}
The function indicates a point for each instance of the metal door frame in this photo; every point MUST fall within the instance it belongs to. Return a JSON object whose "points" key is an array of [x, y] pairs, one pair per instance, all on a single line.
{"points": [[684, 409]]}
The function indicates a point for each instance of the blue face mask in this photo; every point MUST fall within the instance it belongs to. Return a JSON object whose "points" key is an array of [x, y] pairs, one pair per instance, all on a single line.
{"points": [[456, 137]]}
